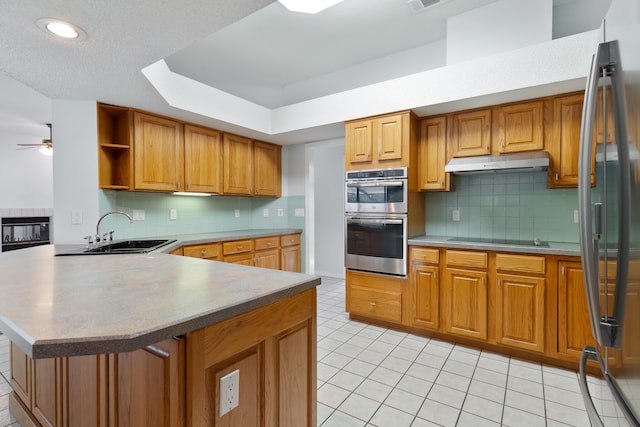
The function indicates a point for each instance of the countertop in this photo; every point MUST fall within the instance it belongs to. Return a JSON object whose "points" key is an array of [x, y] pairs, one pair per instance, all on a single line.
{"points": [[56, 306], [554, 248]]}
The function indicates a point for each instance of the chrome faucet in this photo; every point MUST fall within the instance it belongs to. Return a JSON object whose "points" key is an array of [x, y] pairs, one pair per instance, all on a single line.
{"points": [[108, 236]]}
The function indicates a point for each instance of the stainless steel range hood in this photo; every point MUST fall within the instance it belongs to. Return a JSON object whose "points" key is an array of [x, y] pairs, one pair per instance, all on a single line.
{"points": [[530, 161]]}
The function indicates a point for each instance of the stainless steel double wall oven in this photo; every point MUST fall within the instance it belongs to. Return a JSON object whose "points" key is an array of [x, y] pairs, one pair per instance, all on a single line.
{"points": [[376, 221]]}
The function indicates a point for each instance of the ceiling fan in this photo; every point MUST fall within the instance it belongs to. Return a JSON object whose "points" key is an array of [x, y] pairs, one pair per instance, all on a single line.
{"points": [[46, 146]]}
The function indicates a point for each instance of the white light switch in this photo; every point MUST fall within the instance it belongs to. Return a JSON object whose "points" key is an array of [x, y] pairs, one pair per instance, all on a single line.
{"points": [[173, 214], [236, 213], [456, 215], [138, 214], [280, 212], [575, 216], [76, 216]]}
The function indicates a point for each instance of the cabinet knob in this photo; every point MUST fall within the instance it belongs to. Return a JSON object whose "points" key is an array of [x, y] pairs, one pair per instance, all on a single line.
{"points": [[178, 184], [372, 304], [239, 247], [268, 243], [204, 252]]}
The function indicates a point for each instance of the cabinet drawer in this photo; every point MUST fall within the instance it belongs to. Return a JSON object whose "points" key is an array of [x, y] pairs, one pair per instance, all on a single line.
{"points": [[380, 304], [266, 243], [429, 255], [237, 247], [520, 263], [467, 259], [207, 251], [290, 240]]}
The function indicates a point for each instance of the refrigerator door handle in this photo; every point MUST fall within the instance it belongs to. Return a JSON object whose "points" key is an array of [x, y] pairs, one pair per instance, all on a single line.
{"points": [[588, 353], [589, 244], [605, 63]]}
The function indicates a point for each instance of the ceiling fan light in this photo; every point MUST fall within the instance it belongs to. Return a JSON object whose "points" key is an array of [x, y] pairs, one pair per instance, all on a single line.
{"points": [[308, 6], [47, 151]]}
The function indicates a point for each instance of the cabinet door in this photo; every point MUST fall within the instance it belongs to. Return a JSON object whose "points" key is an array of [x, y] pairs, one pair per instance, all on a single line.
{"points": [[359, 141], [267, 170], [426, 291], [574, 328], [150, 385], [21, 374], [387, 133], [290, 258], [471, 133], [519, 127], [84, 390], [432, 155], [46, 392], [238, 165], [242, 259], [520, 311], [202, 160], [564, 144], [267, 259], [207, 251], [465, 305], [158, 153]]}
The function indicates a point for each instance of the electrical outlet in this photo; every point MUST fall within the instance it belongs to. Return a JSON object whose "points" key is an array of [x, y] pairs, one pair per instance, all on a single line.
{"points": [[229, 391], [138, 214], [456, 215], [265, 212], [236, 214], [298, 212], [280, 212], [575, 216], [173, 214]]}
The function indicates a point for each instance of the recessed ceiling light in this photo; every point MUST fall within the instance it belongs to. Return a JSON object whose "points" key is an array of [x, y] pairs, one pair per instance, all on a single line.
{"points": [[308, 6], [60, 29]]}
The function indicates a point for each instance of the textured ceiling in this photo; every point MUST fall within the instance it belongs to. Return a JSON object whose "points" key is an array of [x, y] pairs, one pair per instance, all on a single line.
{"points": [[254, 49]]}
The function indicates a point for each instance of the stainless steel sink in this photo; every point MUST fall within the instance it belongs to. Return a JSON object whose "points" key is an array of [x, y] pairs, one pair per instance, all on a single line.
{"points": [[139, 246]]}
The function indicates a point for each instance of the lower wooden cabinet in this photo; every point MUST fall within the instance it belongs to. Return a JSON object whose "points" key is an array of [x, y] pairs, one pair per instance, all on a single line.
{"points": [[424, 279], [374, 296], [574, 328], [212, 251], [464, 298], [290, 253]]}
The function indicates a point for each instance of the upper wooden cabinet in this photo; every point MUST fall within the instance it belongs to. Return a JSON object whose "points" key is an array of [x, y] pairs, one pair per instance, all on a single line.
{"points": [[138, 151], [202, 160], [470, 133], [115, 162], [432, 155], [563, 141], [251, 167], [267, 169], [382, 141], [518, 127], [158, 153]]}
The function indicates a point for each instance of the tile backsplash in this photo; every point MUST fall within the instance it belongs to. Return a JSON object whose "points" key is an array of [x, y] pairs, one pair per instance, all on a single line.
{"points": [[197, 214], [507, 206]]}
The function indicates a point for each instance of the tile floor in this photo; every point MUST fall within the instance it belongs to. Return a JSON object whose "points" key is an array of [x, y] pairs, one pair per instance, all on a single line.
{"points": [[372, 376]]}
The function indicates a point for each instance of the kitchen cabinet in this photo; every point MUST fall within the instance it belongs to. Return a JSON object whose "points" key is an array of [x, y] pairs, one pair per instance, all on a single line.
{"points": [[374, 296], [470, 133], [267, 170], [210, 251], [290, 253], [267, 254], [518, 127], [158, 153], [202, 160], [251, 168], [432, 155], [424, 278], [520, 301], [464, 294], [115, 162], [563, 141], [574, 327], [379, 142]]}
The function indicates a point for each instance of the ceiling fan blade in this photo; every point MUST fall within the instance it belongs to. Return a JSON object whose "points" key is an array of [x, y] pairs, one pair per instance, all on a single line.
{"points": [[31, 145], [26, 148]]}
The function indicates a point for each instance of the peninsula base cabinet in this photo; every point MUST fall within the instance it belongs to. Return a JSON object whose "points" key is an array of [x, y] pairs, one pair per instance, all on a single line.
{"points": [[176, 382]]}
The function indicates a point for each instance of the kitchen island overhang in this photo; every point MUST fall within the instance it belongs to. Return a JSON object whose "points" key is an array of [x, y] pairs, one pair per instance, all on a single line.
{"points": [[56, 308]]}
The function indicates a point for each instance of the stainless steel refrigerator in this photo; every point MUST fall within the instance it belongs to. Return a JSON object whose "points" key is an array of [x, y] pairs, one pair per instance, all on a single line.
{"points": [[609, 212]]}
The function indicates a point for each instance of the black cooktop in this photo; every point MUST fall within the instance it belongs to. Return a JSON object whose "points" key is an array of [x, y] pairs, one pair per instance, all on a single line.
{"points": [[496, 241]]}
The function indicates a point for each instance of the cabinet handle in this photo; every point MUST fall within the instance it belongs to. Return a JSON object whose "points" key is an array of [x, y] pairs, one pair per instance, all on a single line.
{"points": [[189, 186], [486, 146], [268, 243], [563, 270], [435, 274], [239, 247], [257, 190], [499, 282], [483, 280], [178, 184], [372, 304], [556, 176], [204, 252]]}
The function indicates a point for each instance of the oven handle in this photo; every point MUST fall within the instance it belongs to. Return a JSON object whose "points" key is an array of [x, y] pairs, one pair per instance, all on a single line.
{"points": [[376, 184], [373, 221]]}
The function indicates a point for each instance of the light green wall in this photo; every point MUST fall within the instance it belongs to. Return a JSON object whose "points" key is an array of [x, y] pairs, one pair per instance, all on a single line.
{"points": [[511, 206], [196, 214]]}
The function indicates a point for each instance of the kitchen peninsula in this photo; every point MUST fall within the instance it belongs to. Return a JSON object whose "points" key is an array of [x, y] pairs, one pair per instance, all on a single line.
{"points": [[144, 340]]}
